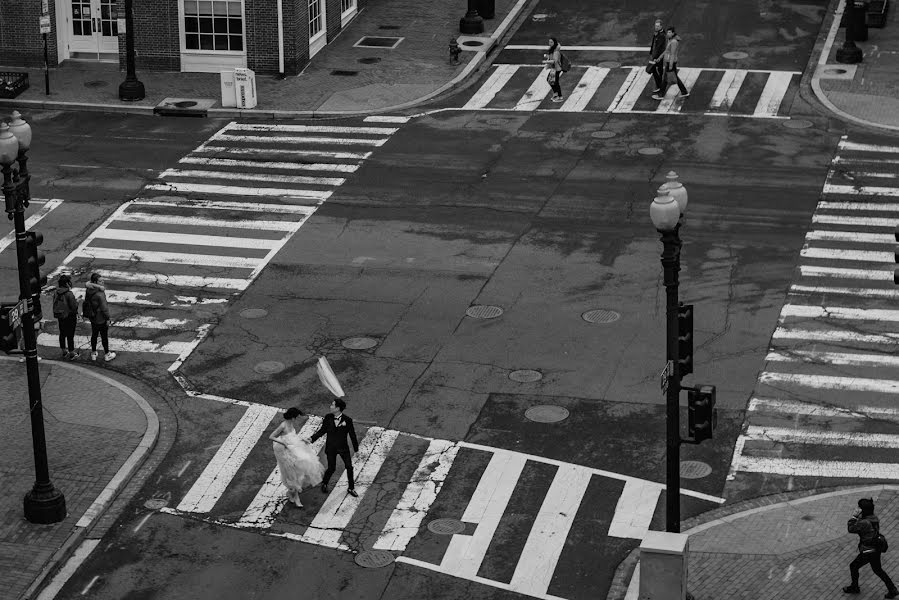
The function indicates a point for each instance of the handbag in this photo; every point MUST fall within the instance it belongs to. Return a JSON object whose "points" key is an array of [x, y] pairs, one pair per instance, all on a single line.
{"points": [[650, 67], [550, 77], [671, 76]]}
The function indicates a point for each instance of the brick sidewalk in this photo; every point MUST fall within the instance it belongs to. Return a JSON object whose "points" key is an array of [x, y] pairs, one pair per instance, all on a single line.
{"points": [[92, 427]]}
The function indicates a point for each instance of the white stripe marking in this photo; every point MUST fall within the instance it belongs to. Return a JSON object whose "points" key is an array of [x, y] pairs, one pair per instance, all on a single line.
{"points": [[279, 127], [867, 206], [861, 190], [844, 291], [834, 358], [83, 342], [674, 102], [174, 258], [232, 190], [297, 139], [773, 94], [792, 407], [263, 177], [188, 239], [147, 322], [68, 569], [846, 220], [869, 274], [178, 281], [546, 540], [581, 48], [487, 92], [250, 206], [838, 312], [840, 254], [829, 335], [818, 468], [534, 95], [842, 160], [635, 508], [786, 435], [630, 91], [90, 584], [133, 298], [727, 89], [852, 236], [828, 382], [234, 151], [141, 217], [31, 221], [385, 119], [584, 91], [847, 145], [420, 493], [142, 522], [208, 488], [861, 174], [258, 164]]}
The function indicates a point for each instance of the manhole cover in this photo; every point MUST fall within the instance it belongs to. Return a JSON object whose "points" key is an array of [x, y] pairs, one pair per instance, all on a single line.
{"points": [[374, 41], [737, 55], [155, 503], [369, 60], [539, 17], [600, 315], [472, 43], [483, 311], [95, 84], [359, 343], [253, 313], [525, 376], [446, 526], [388, 26], [797, 124], [269, 367], [603, 135], [547, 413], [185, 104], [694, 469], [374, 559], [340, 73], [610, 64], [649, 151]]}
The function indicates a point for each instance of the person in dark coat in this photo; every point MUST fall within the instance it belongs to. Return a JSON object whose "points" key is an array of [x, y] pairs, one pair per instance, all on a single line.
{"points": [[866, 524], [98, 312], [656, 50], [338, 427], [65, 309]]}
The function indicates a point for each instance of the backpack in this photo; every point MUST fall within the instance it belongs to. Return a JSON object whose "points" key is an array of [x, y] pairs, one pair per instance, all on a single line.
{"points": [[60, 306], [564, 63], [87, 307]]}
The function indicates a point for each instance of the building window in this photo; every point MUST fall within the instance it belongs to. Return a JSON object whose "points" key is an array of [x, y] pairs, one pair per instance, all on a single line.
{"points": [[315, 18], [213, 25], [347, 5]]}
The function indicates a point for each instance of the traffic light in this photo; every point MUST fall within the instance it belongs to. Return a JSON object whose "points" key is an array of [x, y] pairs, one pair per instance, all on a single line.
{"points": [[31, 271], [702, 417], [685, 338], [8, 340]]}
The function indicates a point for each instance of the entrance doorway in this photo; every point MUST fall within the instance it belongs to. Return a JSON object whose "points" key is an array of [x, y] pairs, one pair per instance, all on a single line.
{"points": [[93, 30]]}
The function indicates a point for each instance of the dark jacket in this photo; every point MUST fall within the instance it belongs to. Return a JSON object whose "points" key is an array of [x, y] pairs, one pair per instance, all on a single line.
{"points": [[65, 300], [657, 47], [867, 529], [337, 436], [96, 295]]}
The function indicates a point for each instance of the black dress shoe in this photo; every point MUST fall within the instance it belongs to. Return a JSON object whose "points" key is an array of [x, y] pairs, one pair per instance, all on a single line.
{"points": [[851, 589], [325, 489], [352, 493]]}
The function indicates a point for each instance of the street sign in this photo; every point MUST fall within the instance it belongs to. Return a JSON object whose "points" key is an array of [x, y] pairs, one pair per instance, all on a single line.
{"points": [[45, 7], [121, 26], [16, 312], [45, 23], [665, 375]]}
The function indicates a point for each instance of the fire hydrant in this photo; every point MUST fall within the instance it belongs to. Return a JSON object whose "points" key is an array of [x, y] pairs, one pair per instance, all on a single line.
{"points": [[454, 51]]}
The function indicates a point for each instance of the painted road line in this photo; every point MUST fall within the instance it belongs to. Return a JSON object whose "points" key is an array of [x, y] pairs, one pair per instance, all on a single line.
{"points": [[208, 488], [786, 435], [831, 335], [45, 209], [132, 298], [549, 531], [845, 144], [335, 514], [581, 48], [847, 220], [279, 127], [299, 139], [233, 151], [534, 94], [262, 177], [465, 553], [259, 164], [861, 190], [831, 383], [834, 358], [258, 207], [233, 190], [630, 91], [675, 102], [272, 496], [177, 281], [794, 407], [633, 513], [842, 160], [851, 236], [851, 175], [844, 291], [176, 258], [584, 91], [840, 254], [142, 217], [727, 90], [869, 274], [146, 322], [838, 312], [866, 206], [420, 493], [773, 94], [817, 468], [487, 92], [386, 119], [117, 344], [190, 239]]}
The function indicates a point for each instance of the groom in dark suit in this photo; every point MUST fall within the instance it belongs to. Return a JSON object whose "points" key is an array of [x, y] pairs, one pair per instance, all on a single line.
{"points": [[338, 427]]}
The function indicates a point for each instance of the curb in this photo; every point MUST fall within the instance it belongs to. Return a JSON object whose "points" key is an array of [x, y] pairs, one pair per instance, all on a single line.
{"points": [[109, 493]]}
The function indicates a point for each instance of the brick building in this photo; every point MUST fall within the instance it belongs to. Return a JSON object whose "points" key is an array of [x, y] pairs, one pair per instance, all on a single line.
{"points": [[268, 36]]}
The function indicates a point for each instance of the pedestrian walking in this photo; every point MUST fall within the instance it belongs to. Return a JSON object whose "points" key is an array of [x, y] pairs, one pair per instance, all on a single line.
{"points": [[338, 427], [556, 64], [866, 524], [65, 310], [297, 461], [670, 60], [655, 66], [95, 308]]}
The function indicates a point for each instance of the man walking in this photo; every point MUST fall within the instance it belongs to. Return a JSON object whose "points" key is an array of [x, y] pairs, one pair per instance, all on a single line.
{"points": [[96, 310], [338, 427], [656, 50], [670, 60], [866, 524]]}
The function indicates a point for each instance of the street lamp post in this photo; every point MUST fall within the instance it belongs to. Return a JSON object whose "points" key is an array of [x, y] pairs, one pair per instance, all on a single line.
{"points": [[131, 89], [44, 503], [472, 22], [849, 53]]}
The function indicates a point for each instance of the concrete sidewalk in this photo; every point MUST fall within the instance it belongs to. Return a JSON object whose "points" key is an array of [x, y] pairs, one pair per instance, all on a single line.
{"points": [[341, 80], [98, 431], [786, 546]]}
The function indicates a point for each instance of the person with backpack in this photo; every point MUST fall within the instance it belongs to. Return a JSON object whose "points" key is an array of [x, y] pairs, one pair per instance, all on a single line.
{"points": [[65, 310], [557, 63], [670, 60], [871, 544], [96, 310]]}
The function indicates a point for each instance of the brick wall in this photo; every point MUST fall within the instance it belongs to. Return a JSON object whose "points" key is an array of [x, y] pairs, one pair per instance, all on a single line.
{"points": [[261, 25], [332, 16], [157, 45], [296, 35], [21, 43]]}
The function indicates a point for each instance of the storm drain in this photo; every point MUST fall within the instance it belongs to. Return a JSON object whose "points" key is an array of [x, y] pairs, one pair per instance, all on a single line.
{"points": [[388, 27], [269, 367], [374, 559], [547, 413], [156, 503], [525, 376], [369, 60], [374, 41], [446, 526], [340, 73], [359, 343], [694, 469], [600, 315], [483, 311]]}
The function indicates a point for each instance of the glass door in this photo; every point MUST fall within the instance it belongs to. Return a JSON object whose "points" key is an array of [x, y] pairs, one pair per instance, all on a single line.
{"points": [[93, 29]]}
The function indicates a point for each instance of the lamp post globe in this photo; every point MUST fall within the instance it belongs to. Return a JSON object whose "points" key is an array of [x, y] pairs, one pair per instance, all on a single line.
{"points": [[21, 129], [9, 146], [664, 211], [677, 190]]}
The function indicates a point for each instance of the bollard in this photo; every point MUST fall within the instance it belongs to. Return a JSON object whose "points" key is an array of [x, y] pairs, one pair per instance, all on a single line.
{"points": [[663, 566], [454, 51]]}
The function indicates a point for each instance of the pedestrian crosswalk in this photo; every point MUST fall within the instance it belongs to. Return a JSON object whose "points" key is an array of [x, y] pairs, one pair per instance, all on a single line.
{"points": [[825, 406], [730, 92], [401, 481], [173, 258]]}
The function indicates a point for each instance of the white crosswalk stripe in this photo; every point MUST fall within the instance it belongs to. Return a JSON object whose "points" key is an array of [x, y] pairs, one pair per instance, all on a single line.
{"points": [[832, 368], [632, 87], [203, 232]]}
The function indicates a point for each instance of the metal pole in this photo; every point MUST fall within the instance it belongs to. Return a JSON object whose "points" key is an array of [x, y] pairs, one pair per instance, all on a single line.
{"points": [[131, 89], [671, 244], [46, 67], [472, 22], [849, 53]]}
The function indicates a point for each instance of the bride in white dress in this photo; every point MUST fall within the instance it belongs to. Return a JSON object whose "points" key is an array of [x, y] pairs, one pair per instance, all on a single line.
{"points": [[297, 461]]}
